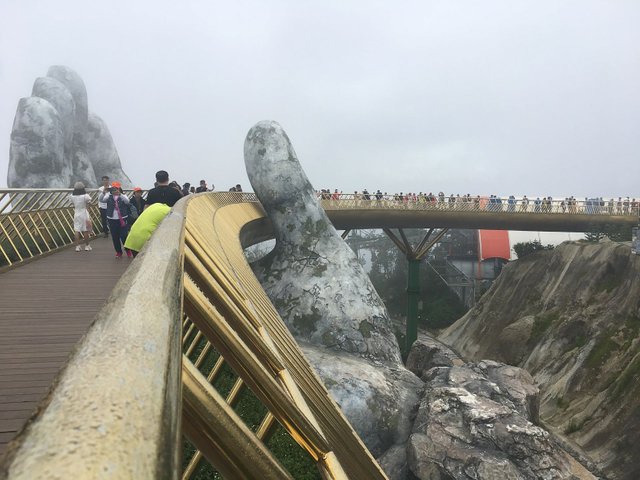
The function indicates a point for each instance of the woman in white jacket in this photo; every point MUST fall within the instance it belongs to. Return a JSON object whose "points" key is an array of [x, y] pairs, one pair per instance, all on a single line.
{"points": [[81, 219]]}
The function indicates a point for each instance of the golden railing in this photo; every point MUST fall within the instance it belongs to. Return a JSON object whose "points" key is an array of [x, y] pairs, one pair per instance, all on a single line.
{"points": [[193, 351], [36, 222], [188, 343], [515, 205]]}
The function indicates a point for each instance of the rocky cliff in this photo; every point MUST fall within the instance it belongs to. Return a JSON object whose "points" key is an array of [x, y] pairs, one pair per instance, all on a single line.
{"points": [[571, 318], [56, 141], [435, 419]]}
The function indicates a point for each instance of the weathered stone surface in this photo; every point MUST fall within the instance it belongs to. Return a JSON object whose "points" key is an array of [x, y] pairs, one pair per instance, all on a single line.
{"points": [[70, 79], [427, 352], [379, 399], [88, 151], [103, 153], [470, 427], [313, 278], [475, 420], [58, 95], [570, 317], [394, 462], [37, 147]]}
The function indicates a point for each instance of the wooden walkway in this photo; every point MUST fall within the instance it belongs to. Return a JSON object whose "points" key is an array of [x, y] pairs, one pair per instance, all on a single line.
{"points": [[45, 307]]}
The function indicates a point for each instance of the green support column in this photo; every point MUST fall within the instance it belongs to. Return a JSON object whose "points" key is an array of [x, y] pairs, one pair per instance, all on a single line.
{"points": [[413, 297]]}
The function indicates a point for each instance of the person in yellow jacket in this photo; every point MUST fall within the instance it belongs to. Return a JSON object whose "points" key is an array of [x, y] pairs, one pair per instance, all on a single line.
{"points": [[145, 225]]}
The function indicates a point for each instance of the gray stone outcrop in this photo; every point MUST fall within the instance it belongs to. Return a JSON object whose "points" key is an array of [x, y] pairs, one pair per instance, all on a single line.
{"points": [[427, 353], [570, 317], [470, 427], [440, 418], [37, 147], [313, 278], [56, 141], [379, 399]]}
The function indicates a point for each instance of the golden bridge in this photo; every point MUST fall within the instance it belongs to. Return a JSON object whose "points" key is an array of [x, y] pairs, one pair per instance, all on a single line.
{"points": [[183, 343]]}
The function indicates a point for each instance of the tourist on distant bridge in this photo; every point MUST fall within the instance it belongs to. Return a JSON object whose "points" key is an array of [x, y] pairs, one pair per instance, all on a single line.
{"points": [[536, 205], [117, 214], [524, 204], [103, 206], [163, 192], [81, 218]]}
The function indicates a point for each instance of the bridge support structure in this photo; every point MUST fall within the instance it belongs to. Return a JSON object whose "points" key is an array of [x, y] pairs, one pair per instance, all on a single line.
{"points": [[415, 256]]}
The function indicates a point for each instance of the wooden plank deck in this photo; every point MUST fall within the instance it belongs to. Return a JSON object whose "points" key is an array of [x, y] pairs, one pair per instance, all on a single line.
{"points": [[45, 307]]}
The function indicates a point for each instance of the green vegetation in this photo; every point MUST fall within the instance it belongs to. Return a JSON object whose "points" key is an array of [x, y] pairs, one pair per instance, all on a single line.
{"points": [[610, 280], [541, 324], [389, 271], [524, 249], [292, 457], [601, 351], [562, 403], [617, 233], [627, 379], [632, 324], [251, 410], [580, 341], [575, 426]]}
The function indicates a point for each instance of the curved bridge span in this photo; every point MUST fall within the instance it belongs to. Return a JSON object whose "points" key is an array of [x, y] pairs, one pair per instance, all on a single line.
{"points": [[145, 371]]}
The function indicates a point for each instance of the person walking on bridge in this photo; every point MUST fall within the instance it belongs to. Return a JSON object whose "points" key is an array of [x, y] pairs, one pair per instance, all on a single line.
{"points": [[117, 214], [81, 219], [103, 206]]}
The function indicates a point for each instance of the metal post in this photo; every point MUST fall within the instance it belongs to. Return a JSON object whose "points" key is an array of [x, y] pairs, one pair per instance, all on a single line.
{"points": [[413, 296]]}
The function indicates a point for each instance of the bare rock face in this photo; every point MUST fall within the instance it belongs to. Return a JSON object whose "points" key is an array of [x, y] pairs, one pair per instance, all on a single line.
{"points": [[475, 421], [313, 278], [470, 427], [327, 301], [37, 147], [102, 151], [57, 94], [74, 84], [571, 318], [87, 147], [427, 353], [380, 400]]}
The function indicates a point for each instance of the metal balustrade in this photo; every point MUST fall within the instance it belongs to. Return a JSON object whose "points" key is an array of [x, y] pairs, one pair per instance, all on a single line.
{"points": [[624, 207], [35, 222], [184, 356], [156, 358]]}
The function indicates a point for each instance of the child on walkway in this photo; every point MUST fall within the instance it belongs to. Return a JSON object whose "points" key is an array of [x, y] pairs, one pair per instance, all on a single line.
{"points": [[81, 219], [117, 213]]}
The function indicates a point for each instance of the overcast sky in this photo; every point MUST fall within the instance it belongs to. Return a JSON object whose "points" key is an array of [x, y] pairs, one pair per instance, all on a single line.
{"points": [[523, 97]]}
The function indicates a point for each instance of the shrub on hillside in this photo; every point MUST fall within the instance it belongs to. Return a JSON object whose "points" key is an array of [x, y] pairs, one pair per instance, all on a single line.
{"points": [[523, 249]]}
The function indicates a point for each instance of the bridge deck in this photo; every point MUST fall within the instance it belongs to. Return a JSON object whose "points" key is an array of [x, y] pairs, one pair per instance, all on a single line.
{"points": [[45, 307]]}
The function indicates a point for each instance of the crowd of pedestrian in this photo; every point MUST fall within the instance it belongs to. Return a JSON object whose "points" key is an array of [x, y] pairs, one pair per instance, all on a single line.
{"points": [[491, 203], [129, 221]]}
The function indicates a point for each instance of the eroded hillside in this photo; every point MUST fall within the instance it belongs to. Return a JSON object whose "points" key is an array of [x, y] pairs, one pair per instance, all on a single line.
{"points": [[571, 317]]}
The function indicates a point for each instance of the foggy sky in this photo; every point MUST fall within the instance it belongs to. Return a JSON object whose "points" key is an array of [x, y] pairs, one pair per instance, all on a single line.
{"points": [[492, 97]]}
